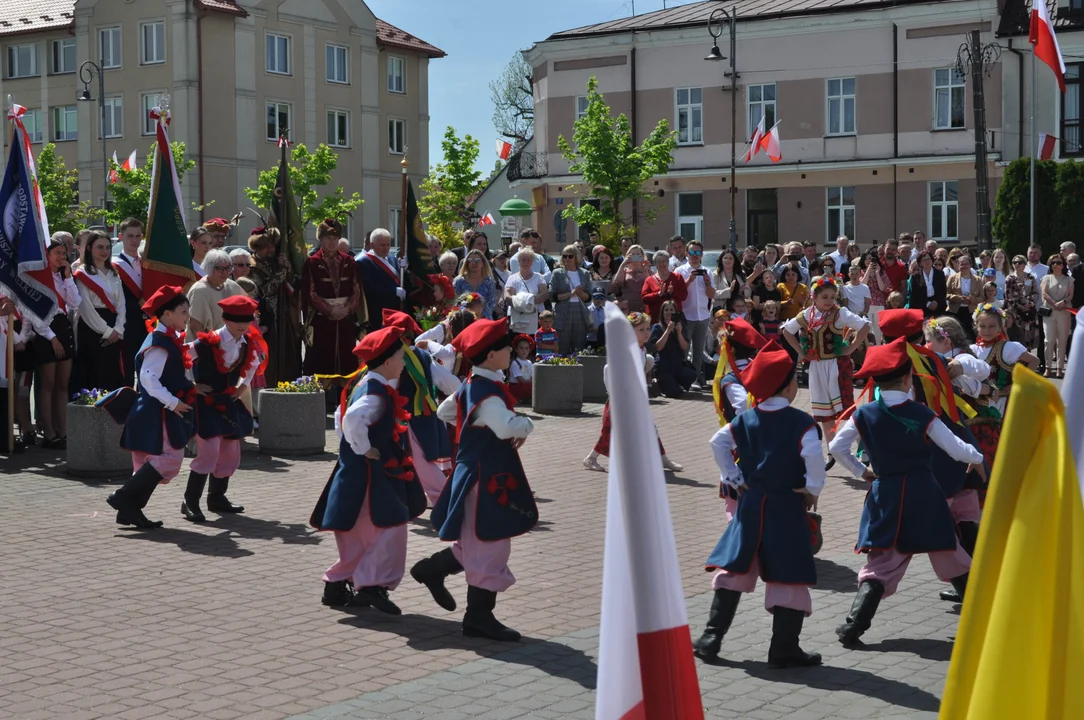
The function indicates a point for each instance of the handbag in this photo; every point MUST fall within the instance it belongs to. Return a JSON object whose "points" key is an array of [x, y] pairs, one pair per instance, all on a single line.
{"points": [[1045, 312]]}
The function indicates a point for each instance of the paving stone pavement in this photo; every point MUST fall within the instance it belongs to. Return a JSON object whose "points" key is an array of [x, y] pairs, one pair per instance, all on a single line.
{"points": [[224, 621]]}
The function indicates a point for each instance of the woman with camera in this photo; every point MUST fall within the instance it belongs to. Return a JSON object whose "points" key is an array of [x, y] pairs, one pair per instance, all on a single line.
{"points": [[876, 279], [673, 373]]}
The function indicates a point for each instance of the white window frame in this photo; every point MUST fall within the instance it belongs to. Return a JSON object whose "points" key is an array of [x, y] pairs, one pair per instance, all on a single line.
{"points": [[762, 105], [395, 218], [159, 56], [15, 70], [115, 44], [402, 133], [275, 37], [58, 47], [842, 98], [400, 62], [841, 210], [941, 233], [956, 83], [696, 220], [581, 100], [338, 114], [32, 123], [61, 115], [114, 111], [147, 102], [279, 105], [332, 53], [694, 112]]}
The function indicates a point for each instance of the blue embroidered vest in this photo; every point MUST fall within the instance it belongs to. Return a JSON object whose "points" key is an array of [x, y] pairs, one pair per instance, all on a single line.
{"points": [[143, 429], [218, 414]]}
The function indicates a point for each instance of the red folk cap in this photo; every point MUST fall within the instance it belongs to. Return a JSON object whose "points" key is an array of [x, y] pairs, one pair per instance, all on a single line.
{"points": [[523, 338], [395, 318], [741, 332], [161, 296], [885, 362], [218, 224], [238, 308], [378, 343], [900, 323], [768, 372], [480, 336]]}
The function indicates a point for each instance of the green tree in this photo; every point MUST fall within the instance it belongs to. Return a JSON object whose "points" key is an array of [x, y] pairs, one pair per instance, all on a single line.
{"points": [[59, 191], [447, 193], [309, 171], [512, 95], [131, 194], [1070, 214], [613, 167]]}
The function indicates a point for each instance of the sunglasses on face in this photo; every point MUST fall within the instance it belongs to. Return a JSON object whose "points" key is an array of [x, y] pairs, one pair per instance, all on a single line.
{"points": [[474, 259], [223, 268], [696, 253], [569, 257], [240, 264], [1056, 263], [1017, 262]]}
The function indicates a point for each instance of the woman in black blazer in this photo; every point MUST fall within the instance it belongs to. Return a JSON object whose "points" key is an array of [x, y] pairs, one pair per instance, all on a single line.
{"points": [[918, 296]]}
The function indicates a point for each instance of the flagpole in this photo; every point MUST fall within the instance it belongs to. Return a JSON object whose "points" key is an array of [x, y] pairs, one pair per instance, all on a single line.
{"points": [[9, 369], [1031, 184], [402, 229]]}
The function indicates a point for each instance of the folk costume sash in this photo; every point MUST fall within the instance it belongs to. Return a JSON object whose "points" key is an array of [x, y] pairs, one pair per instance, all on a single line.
{"points": [[95, 284], [383, 265], [131, 274]]}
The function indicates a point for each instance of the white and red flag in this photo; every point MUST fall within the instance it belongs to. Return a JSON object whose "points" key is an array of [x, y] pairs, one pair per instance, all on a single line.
{"points": [[769, 142], [1046, 146], [754, 142], [646, 669], [1041, 35], [504, 149], [486, 219], [129, 164]]}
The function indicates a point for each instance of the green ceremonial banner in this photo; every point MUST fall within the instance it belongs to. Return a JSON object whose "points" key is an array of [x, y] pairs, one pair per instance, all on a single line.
{"points": [[287, 216], [167, 257]]}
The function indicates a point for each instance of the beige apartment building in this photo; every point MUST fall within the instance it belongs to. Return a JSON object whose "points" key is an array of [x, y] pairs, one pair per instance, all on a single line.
{"points": [[877, 127], [237, 72]]}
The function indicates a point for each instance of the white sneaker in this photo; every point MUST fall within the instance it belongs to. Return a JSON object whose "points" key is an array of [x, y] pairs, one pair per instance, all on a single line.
{"points": [[591, 463], [696, 387], [670, 465]]}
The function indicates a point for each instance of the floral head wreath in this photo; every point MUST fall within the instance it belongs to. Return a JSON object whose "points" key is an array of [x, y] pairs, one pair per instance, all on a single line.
{"points": [[824, 281], [637, 318], [937, 328], [989, 309], [467, 298]]}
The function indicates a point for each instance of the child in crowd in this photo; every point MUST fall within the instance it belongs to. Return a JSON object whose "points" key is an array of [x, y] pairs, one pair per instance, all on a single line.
{"points": [[521, 373], [596, 333], [989, 293], [737, 308], [545, 340], [472, 302], [769, 320], [894, 301]]}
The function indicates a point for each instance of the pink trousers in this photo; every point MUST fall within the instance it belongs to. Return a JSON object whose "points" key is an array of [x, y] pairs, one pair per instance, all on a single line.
{"points": [[888, 566], [369, 556], [217, 456], [167, 463], [964, 506], [795, 597], [430, 474], [731, 508], [485, 563]]}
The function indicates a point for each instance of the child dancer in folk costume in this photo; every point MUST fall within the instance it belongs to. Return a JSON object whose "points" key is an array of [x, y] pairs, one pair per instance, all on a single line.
{"points": [[420, 382], [225, 362], [372, 493], [521, 373], [781, 475], [641, 323], [905, 511], [488, 500], [823, 326], [1000, 353], [157, 422]]}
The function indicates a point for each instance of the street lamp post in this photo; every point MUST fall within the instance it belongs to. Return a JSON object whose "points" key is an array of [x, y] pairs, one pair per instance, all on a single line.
{"points": [[87, 72], [715, 29]]}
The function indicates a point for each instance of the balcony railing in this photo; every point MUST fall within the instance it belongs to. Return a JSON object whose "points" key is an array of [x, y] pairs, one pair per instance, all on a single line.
{"points": [[525, 165]]}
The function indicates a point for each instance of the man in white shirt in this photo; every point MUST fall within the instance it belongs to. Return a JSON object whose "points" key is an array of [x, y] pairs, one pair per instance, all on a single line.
{"points": [[840, 253], [130, 269], [677, 252], [1039, 270], [530, 238], [697, 306]]}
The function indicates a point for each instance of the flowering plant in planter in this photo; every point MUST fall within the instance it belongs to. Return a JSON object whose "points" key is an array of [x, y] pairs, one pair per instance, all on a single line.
{"points": [[304, 384], [88, 397], [560, 360]]}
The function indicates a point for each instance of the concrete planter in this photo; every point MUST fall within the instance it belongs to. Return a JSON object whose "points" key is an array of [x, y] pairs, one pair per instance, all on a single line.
{"points": [[557, 389], [594, 387], [94, 444], [292, 423]]}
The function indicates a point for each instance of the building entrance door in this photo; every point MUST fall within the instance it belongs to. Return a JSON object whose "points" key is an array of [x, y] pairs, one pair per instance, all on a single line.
{"points": [[762, 217]]}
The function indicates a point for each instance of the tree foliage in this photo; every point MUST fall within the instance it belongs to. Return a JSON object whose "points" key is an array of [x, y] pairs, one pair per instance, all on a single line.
{"points": [[309, 171], [447, 194], [1012, 212], [59, 191], [131, 194], [1069, 218], [513, 101], [613, 167]]}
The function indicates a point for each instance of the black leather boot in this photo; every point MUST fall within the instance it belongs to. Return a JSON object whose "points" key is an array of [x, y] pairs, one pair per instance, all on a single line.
{"points": [[336, 594], [784, 650], [216, 497], [377, 598], [723, 607], [862, 611], [959, 586], [431, 572], [192, 494], [479, 621], [130, 499], [969, 536]]}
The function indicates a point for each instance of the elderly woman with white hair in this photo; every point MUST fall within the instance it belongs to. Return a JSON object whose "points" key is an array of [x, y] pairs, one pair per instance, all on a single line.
{"points": [[241, 260], [204, 313], [525, 294], [449, 265]]}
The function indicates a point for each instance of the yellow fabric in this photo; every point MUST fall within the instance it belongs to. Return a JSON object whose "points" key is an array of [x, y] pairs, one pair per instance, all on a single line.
{"points": [[721, 369], [1020, 643]]}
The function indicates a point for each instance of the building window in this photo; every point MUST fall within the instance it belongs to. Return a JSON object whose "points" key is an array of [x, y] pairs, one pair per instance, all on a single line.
{"points": [[690, 215], [32, 123], [278, 54], [581, 106], [109, 45], [65, 123], [949, 99], [337, 64], [338, 128], [761, 105], [113, 117], [841, 111], [690, 116], [278, 120], [395, 218], [152, 43], [944, 211], [840, 213], [147, 102], [396, 136], [396, 74], [1070, 113], [22, 61], [63, 56]]}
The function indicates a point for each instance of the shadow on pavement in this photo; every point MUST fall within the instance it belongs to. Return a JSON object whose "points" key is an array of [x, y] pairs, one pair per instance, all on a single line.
{"points": [[245, 526], [674, 479], [936, 649], [427, 633], [835, 577], [220, 545]]}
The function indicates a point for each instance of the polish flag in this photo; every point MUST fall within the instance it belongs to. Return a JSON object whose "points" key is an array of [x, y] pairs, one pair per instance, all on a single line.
{"points": [[754, 142], [504, 149], [486, 219], [645, 668], [769, 142], [128, 165], [1046, 146], [113, 177], [1041, 35]]}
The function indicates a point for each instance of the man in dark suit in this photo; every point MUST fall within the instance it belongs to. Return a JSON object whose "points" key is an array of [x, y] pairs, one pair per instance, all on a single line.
{"points": [[1076, 271], [926, 289], [380, 278]]}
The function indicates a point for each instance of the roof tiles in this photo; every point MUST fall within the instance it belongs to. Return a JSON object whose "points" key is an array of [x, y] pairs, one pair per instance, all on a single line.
{"points": [[392, 36]]}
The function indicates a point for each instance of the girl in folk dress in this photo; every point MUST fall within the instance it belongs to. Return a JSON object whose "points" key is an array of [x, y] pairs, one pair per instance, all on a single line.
{"points": [[521, 372], [1000, 353], [100, 333]]}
